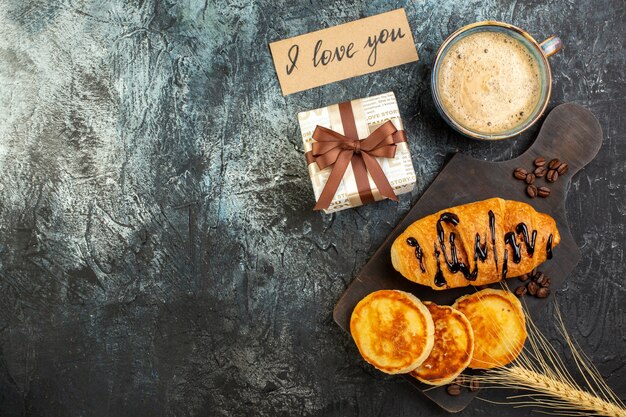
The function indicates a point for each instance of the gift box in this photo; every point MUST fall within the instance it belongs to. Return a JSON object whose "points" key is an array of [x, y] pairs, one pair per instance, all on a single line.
{"points": [[356, 152]]}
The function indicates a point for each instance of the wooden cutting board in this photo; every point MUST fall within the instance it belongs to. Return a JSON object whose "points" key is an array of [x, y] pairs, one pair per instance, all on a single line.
{"points": [[570, 133]]}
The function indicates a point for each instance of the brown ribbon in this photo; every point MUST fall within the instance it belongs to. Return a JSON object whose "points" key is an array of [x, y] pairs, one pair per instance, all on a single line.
{"points": [[332, 148]]}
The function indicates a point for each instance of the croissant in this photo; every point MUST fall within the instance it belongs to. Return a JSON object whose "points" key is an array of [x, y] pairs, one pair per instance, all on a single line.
{"points": [[475, 244]]}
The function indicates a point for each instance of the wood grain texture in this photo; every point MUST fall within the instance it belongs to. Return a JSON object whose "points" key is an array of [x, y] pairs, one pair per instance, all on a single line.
{"points": [[158, 251], [570, 133]]}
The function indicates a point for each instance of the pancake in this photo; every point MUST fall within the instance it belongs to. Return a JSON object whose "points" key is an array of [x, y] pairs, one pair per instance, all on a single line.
{"points": [[453, 348], [499, 326], [393, 331]]}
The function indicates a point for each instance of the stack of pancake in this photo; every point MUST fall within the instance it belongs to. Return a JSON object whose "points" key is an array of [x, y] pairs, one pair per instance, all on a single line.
{"points": [[397, 333]]}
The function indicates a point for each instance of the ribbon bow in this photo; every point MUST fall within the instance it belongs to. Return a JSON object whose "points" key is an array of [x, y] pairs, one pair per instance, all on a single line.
{"points": [[332, 148]]}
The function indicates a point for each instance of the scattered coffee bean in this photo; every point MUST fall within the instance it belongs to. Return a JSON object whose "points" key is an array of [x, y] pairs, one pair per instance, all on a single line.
{"points": [[524, 277], [460, 380], [541, 279], [554, 164], [542, 169], [454, 389], [520, 173], [543, 192], [474, 385], [538, 286], [540, 172], [543, 292], [552, 175]]}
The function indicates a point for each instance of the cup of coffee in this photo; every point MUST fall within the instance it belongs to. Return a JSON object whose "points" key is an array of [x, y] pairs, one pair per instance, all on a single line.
{"points": [[492, 80]]}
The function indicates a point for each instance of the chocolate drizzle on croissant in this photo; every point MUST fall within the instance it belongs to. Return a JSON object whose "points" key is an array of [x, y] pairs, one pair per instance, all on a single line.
{"points": [[492, 228], [509, 239], [480, 251], [411, 241], [456, 250], [530, 244], [549, 247], [454, 265]]}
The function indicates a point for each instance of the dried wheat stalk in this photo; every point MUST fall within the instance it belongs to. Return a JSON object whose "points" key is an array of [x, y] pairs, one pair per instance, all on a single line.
{"points": [[548, 383]]}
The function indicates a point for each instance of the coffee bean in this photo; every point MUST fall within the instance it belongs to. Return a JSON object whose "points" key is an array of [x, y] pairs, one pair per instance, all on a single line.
{"points": [[539, 275], [543, 292], [546, 282], [562, 169], [552, 176], [524, 277], [543, 192], [530, 178], [520, 173], [454, 389], [531, 190], [540, 172], [474, 385], [533, 273], [521, 291], [540, 161], [460, 380], [541, 279], [554, 164], [532, 288]]}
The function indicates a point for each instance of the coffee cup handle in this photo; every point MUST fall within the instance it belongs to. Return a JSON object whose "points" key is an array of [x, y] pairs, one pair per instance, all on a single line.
{"points": [[551, 46]]}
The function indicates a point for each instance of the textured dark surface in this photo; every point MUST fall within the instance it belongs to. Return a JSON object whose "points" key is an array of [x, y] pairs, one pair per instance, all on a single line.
{"points": [[158, 254]]}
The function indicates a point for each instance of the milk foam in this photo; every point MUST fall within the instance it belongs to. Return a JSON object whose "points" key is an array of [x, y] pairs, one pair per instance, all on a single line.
{"points": [[489, 82]]}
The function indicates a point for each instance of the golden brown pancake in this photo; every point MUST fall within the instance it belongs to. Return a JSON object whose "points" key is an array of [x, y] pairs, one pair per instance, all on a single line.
{"points": [[393, 330], [499, 326], [453, 348]]}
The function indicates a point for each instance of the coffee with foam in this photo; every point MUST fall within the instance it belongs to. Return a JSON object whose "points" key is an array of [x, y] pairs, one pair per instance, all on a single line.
{"points": [[489, 82]]}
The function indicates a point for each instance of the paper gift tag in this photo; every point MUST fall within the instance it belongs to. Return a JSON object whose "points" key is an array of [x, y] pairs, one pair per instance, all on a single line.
{"points": [[344, 51]]}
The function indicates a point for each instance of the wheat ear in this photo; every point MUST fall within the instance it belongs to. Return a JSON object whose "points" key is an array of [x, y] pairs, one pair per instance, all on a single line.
{"points": [[541, 372]]}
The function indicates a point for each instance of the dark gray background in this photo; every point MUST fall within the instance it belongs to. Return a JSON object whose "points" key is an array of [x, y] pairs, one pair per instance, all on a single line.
{"points": [[158, 252]]}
